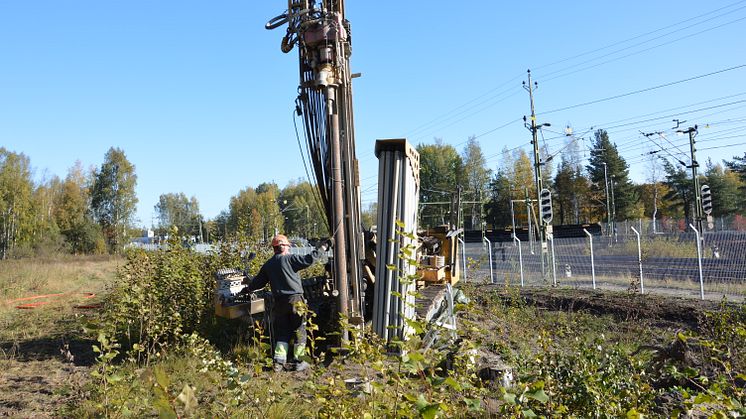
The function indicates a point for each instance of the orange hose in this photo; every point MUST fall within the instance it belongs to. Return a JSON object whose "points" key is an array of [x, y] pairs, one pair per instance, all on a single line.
{"points": [[28, 306]]}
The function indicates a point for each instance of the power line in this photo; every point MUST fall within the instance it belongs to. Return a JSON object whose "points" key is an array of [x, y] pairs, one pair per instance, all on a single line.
{"points": [[637, 52], [640, 36], [439, 119], [660, 86], [444, 118]]}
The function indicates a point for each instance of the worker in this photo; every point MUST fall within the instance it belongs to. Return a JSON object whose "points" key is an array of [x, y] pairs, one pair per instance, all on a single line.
{"points": [[281, 272]]}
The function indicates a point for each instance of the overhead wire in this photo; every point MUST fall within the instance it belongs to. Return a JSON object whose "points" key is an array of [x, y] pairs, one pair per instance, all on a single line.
{"points": [[472, 102], [546, 78], [640, 36], [677, 24], [648, 89]]}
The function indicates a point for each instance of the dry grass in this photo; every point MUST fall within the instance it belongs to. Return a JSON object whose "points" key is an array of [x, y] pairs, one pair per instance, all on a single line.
{"points": [[44, 356], [71, 276]]}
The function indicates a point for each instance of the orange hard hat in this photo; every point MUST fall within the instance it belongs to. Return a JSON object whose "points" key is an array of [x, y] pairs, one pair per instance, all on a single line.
{"points": [[279, 240]]}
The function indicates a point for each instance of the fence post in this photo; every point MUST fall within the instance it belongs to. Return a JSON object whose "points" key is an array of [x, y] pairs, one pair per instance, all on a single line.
{"points": [[699, 261], [520, 255], [463, 255], [554, 265], [593, 264], [639, 260], [489, 248]]}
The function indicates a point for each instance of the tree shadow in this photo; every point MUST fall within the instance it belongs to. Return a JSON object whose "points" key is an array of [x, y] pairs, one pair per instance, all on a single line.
{"points": [[74, 350]]}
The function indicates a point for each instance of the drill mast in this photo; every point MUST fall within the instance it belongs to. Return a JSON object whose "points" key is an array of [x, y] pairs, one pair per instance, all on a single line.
{"points": [[321, 34]]}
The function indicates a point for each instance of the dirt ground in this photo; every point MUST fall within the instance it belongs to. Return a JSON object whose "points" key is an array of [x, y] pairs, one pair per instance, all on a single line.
{"points": [[38, 378], [44, 359], [660, 310]]}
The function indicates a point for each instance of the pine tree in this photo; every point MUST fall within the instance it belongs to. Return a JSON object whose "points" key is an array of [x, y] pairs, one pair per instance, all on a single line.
{"points": [[680, 189], [563, 193], [498, 207], [617, 171]]}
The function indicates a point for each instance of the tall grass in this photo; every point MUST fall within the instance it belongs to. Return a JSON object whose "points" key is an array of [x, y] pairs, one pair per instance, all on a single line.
{"points": [[69, 275]]}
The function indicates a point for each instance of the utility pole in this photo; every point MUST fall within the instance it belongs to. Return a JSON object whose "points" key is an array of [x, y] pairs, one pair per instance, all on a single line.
{"points": [[613, 209], [534, 128], [698, 211], [608, 202], [528, 218], [482, 222], [458, 207]]}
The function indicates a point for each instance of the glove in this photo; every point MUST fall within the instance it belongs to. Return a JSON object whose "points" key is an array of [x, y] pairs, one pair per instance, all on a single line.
{"points": [[325, 244]]}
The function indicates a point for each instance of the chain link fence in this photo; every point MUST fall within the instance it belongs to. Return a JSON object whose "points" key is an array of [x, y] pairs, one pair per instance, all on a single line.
{"points": [[667, 260]]}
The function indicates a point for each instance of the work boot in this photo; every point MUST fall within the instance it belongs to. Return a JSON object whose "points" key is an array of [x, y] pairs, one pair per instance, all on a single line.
{"points": [[302, 366], [278, 367]]}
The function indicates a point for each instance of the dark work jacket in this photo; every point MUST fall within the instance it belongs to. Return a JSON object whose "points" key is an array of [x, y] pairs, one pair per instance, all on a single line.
{"points": [[281, 272]]}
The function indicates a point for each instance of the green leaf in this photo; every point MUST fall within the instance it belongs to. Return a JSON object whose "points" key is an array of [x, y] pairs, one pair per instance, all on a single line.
{"points": [[528, 413], [430, 411], [188, 398], [633, 414], [509, 398], [475, 405], [165, 411], [411, 397], [418, 329], [161, 377], [453, 383], [416, 356], [421, 402], [114, 378], [538, 395]]}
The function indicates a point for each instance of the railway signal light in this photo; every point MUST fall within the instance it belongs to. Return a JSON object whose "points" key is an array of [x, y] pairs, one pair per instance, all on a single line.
{"points": [[545, 205], [706, 199]]}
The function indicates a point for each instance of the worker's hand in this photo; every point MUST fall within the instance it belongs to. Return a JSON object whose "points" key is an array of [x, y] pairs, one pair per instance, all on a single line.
{"points": [[325, 244], [247, 278]]}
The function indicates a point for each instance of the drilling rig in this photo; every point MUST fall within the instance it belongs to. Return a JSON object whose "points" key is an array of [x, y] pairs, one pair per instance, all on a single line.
{"points": [[320, 33]]}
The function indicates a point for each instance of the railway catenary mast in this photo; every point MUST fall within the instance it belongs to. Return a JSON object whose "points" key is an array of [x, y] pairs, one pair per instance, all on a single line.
{"points": [[321, 34]]}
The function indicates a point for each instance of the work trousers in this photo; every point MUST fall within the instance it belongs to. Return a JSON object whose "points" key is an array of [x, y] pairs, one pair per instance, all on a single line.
{"points": [[289, 324]]}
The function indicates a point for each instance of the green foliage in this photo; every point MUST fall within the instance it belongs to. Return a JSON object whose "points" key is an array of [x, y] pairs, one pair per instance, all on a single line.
{"points": [[160, 296], [565, 364], [498, 206], [113, 198], [439, 168], [727, 190], [255, 213], [680, 188], [591, 378], [176, 210], [617, 173], [474, 177], [572, 191], [301, 207], [16, 216]]}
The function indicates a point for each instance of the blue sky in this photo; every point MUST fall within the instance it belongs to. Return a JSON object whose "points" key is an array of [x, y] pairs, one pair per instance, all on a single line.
{"points": [[200, 97]]}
